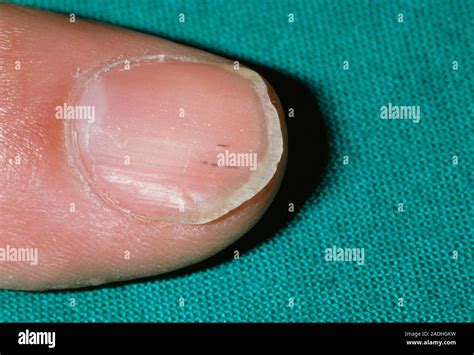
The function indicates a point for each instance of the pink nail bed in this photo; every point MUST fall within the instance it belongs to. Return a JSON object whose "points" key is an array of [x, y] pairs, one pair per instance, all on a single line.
{"points": [[176, 141]]}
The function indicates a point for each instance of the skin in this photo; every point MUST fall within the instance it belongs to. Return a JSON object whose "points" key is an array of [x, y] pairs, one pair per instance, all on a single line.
{"points": [[86, 247]]}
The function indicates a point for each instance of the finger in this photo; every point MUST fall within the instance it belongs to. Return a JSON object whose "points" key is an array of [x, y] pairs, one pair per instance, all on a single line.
{"points": [[124, 155]]}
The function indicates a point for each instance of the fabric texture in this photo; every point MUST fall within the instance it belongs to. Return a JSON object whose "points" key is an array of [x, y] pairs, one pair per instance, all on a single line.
{"points": [[337, 64]]}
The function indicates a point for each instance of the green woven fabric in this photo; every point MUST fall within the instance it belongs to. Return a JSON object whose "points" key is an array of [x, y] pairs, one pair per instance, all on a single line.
{"points": [[410, 254]]}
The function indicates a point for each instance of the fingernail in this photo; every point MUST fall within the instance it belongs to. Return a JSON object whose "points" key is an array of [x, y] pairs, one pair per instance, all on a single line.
{"points": [[175, 141]]}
